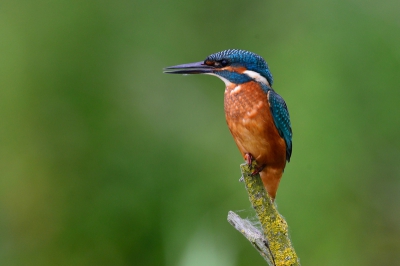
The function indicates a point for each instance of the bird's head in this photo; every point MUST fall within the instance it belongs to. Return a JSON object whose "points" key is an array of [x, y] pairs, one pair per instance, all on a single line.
{"points": [[232, 66]]}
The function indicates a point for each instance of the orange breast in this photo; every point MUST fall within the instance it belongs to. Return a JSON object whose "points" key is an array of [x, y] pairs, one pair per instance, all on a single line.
{"points": [[250, 121]]}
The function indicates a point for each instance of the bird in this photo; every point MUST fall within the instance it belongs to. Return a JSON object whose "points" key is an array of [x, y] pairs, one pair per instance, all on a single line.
{"points": [[257, 116]]}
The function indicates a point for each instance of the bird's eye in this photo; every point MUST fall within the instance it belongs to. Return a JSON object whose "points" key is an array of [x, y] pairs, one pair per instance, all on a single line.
{"points": [[224, 62]]}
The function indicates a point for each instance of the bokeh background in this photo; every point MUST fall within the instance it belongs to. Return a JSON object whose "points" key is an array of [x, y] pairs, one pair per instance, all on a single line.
{"points": [[104, 160]]}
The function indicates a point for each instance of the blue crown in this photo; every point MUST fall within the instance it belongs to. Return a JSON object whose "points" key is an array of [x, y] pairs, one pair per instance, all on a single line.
{"points": [[249, 60]]}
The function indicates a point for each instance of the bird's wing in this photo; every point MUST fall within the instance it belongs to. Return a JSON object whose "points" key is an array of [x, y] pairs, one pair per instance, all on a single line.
{"points": [[281, 117]]}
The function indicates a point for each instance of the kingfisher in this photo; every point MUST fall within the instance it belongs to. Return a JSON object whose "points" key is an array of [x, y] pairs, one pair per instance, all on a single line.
{"points": [[257, 116]]}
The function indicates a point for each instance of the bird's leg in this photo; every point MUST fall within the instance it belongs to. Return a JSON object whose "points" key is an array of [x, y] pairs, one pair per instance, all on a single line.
{"points": [[257, 170], [251, 162], [249, 158]]}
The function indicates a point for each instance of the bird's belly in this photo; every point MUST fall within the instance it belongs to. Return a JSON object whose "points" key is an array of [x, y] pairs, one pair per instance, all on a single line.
{"points": [[250, 121], [250, 135]]}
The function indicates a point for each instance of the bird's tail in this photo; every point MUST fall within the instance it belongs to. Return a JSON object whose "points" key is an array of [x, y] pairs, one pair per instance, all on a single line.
{"points": [[271, 178]]}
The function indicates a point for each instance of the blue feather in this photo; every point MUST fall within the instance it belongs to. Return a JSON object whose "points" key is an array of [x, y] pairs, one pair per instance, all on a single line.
{"points": [[242, 58], [281, 118], [234, 77]]}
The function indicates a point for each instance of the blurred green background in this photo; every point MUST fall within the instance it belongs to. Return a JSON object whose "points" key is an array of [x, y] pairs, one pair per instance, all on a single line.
{"points": [[104, 160]]}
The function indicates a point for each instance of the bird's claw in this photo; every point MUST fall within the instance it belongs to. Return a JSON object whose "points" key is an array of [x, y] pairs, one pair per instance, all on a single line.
{"points": [[257, 170], [249, 159], [251, 162]]}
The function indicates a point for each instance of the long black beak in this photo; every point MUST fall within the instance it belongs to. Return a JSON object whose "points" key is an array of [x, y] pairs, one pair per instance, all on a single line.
{"points": [[191, 68]]}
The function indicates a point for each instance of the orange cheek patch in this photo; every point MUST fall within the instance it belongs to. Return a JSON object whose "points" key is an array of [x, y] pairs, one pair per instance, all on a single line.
{"points": [[240, 69], [235, 69]]}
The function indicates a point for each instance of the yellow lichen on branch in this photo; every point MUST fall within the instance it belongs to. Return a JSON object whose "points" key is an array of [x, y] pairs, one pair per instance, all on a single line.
{"points": [[274, 226]]}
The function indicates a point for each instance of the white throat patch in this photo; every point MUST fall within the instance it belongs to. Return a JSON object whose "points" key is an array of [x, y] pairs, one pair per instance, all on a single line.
{"points": [[257, 77]]}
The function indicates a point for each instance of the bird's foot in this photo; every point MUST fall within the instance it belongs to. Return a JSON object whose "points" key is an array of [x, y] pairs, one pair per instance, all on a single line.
{"points": [[251, 162], [249, 159], [257, 170]]}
